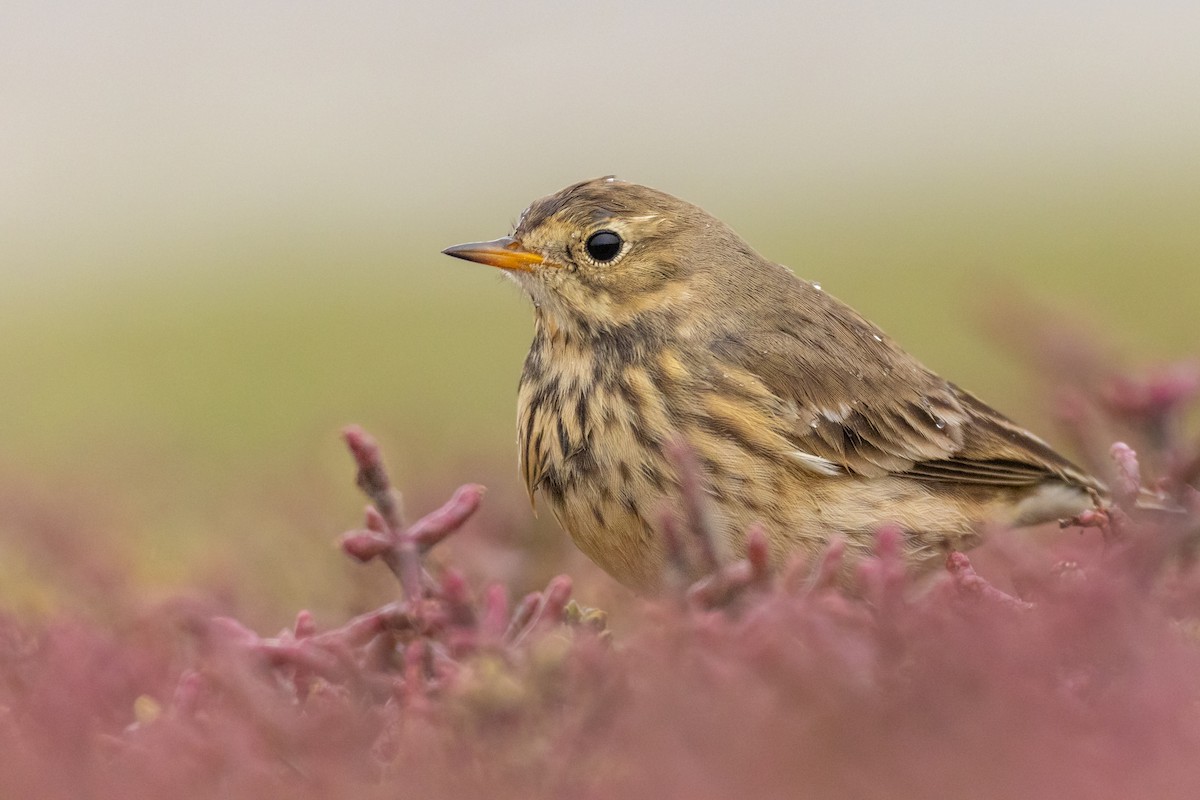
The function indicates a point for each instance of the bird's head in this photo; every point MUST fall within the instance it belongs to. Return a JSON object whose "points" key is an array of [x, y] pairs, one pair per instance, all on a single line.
{"points": [[604, 252]]}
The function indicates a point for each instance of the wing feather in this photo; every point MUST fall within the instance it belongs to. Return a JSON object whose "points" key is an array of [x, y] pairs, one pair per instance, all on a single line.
{"points": [[867, 406]]}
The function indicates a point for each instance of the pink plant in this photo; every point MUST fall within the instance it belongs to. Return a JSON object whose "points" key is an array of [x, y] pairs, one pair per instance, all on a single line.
{"points": [[1081, 681]]}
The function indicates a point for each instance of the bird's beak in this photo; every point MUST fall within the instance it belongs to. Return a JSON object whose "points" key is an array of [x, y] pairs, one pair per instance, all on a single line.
{"points": [[505, 253]]}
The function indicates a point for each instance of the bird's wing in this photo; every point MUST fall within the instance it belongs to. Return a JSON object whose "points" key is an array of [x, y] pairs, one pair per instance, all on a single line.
{"points": [[864, 404], [997, 451]]}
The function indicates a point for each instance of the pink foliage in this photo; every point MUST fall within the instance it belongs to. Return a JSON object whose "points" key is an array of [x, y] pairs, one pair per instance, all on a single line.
{"points": [[1080, 679]]}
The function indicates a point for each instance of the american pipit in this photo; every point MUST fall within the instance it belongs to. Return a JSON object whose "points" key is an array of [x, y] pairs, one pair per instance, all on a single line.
{"points": [[655, 321]]}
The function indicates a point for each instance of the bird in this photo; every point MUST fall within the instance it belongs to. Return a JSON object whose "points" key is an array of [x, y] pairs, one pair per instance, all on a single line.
{"points": [[654, 323]]}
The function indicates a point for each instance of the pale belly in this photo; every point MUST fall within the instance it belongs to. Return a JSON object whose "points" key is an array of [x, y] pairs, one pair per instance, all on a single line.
{"points": [[615, 513]]}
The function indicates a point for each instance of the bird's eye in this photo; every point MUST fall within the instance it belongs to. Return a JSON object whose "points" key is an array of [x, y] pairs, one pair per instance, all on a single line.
{"points": [[603, 246]]}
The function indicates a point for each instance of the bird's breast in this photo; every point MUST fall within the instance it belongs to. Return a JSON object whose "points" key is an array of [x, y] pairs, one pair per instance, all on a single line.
{"points": [[592, 425], [592, 422]]}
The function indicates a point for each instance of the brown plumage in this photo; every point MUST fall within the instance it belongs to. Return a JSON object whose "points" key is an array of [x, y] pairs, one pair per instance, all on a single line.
{"points": [[655, 321]]}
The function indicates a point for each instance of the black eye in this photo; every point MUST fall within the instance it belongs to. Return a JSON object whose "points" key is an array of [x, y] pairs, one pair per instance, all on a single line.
{"points": [[603, 246]]}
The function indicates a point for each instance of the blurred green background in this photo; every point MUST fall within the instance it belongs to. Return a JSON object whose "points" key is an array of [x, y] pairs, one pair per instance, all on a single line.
{"points": [[220, 228]]}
